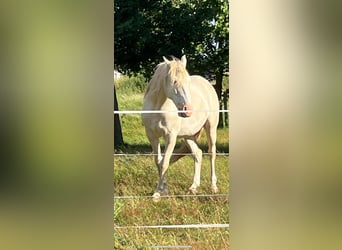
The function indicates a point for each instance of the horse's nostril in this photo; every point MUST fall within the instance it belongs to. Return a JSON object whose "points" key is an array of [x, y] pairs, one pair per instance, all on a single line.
{"points": [[188, 109]]}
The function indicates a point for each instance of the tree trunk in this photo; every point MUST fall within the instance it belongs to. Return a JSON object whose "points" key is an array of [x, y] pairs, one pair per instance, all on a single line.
{"points": [[218, 88], [118, 139], [225, 107]]}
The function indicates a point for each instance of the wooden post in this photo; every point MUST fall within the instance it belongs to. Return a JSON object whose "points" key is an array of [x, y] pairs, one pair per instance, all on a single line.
{"points": [[118, 139]]}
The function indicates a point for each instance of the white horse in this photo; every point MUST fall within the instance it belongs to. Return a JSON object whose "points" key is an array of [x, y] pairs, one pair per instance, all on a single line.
{"points": [[191, 104]]}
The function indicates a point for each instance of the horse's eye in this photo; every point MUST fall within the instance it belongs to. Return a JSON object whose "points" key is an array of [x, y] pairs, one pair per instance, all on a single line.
{"points": [[175, 82]]}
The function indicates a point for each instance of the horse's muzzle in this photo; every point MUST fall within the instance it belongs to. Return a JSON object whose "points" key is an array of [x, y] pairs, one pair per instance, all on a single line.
{"points": [[187, 111]]}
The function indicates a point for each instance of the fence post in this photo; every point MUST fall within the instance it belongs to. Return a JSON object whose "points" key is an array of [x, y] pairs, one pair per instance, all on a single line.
{"points": [[118, 139]]}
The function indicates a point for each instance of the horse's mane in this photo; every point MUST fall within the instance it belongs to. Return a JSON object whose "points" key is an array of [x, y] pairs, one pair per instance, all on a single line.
{"points": [[157, 80], [175, 69]]}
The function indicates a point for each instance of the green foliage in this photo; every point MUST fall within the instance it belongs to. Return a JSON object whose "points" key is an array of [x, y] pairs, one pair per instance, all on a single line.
{"points": [[130, 85], [144, 31], [211, 53], [225, 83]]}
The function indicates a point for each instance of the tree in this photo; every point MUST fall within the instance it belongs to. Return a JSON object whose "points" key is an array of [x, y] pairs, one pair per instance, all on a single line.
{"points": [[212, 54], [146, 30], [118, 139]]}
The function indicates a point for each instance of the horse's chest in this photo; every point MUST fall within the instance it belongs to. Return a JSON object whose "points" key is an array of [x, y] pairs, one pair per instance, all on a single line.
{"points": [[162, 126]]}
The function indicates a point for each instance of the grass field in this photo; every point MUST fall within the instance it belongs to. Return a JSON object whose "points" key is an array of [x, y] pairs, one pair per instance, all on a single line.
{"points": [[136, 175]]}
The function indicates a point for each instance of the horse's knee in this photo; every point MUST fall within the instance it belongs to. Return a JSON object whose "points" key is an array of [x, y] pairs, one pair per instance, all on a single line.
{"points": [[197, 155]]}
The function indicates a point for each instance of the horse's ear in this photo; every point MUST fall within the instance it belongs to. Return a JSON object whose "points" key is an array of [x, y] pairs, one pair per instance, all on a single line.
{"points": [[165, 60], [183, 60]]}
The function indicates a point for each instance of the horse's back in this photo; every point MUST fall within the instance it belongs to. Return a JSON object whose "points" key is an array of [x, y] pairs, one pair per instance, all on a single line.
{"points": [[202, 86]]}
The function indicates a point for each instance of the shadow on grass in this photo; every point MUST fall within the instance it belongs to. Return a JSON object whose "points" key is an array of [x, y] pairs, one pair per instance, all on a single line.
{"points": [[220, 147], [133, 149], [146, 148]]}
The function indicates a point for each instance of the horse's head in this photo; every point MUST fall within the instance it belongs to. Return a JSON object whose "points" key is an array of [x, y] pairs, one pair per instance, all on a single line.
{"points": [[178, 85]]}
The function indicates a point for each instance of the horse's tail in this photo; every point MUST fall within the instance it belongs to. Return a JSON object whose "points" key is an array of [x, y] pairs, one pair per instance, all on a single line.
{"points": [[184, 149]]}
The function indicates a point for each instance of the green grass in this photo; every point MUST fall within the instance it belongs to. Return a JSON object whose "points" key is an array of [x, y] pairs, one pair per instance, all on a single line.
{"points": [[137, 175]]}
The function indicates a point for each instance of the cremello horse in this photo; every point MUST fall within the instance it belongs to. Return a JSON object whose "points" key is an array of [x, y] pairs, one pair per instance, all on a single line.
{"points": [[187, 104]]}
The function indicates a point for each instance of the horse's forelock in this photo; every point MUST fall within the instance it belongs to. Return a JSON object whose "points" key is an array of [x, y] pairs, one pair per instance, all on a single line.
{"points": [[178, 71], [174, 68]]}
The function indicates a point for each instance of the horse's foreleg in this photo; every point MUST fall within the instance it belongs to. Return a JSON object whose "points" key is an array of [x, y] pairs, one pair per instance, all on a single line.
{"points": [[157, 156], [170, 143], [156, 152], [197, 155]]}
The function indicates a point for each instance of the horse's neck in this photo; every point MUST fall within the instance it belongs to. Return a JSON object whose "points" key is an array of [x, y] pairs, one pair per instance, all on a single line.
{"points": [[156, 92], [157, 99]]}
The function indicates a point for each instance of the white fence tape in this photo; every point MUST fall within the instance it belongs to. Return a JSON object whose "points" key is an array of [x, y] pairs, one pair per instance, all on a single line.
{"points": [[164, 111], [151, 154]]}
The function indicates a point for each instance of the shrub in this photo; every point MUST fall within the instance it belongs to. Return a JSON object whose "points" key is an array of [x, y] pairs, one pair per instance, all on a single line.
{"points": [[225, 82], [130, 85]]}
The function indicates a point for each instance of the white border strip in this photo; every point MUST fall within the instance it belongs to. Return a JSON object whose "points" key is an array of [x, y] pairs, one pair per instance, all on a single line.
{"points": [[174, 226], [163, 111]]}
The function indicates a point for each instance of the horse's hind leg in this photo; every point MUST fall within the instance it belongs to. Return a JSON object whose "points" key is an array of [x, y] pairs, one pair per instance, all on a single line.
{"points": [[179, 153], [184, 149], [211, 137], [197, 156]]}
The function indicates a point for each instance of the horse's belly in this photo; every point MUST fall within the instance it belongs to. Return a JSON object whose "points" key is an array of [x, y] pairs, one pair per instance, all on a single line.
{"points": [[190, 126]]}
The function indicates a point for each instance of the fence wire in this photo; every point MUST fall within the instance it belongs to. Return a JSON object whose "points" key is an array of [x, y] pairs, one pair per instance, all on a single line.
{"points": [[174, 226], [171, 196], [182, 226]]}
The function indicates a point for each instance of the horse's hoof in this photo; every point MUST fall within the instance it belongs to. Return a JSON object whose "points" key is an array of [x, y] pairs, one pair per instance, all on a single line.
{"points": [[156, 197], [165, 192], [214, 190], [193, 190]]}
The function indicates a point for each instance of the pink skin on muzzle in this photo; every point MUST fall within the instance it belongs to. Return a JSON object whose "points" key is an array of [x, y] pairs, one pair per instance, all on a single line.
{"points": [[187, 108]]}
